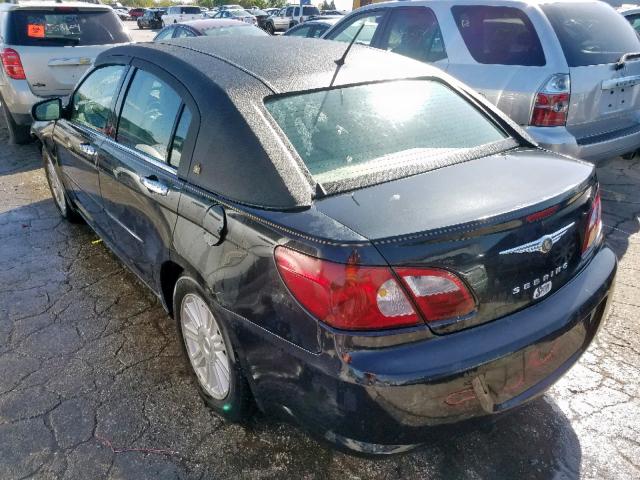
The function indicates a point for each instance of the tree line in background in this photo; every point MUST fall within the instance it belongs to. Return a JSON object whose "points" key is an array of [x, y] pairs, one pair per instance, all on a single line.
{"points": [[325, 5]]}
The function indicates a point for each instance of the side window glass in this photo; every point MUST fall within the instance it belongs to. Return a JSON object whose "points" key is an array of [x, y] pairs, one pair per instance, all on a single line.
{"points": [[178, 139], [499, 35], [289, 12], [301, 31], [634, 20], [148, 115], [371, 23], [415, 33], [91, 103], [164, 34], [183, 32]]}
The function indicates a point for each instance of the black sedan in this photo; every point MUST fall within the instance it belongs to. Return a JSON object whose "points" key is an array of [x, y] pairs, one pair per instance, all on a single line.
{"points": [[209, 28], [367, 251]]}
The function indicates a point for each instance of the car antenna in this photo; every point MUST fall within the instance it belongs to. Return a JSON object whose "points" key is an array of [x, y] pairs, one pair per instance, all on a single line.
{"points": [[320, 191], [341, 61]]}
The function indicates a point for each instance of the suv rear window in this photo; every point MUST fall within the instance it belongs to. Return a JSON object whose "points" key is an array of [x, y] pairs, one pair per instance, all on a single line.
{"points": [[351, 132], [499, 35], [591, 33], [64, 26]]}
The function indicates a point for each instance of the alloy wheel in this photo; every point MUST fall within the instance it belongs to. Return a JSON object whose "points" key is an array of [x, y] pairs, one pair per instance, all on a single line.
{"points": [[206, 347]]}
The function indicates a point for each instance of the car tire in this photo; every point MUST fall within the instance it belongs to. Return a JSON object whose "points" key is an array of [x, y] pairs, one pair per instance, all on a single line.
{"points": [[58, 192], [18, 134], [162, 25], [235, 403], [270, 29], [140, 27]]}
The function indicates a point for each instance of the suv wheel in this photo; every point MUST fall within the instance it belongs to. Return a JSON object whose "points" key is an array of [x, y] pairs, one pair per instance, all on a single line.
{"points": [[18, 134], [58, 192], [212, 357], [269, 28]]}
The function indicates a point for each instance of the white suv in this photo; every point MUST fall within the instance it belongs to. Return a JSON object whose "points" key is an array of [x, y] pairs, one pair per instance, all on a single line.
{"points": [[45, 47], [568, 71], [181, 13]]}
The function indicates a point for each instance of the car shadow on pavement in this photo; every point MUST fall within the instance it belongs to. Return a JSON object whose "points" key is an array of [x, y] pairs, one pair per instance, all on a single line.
{"points": [[16, 158]]}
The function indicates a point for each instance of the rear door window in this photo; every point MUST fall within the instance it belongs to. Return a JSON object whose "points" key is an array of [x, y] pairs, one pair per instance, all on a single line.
{"points": [[65, 26], [415, 33], [92, 102], [591, 33], [350, 28], [350, 132], [177, 145], [634, 20], [148, 115], [164, 34], [499, 35]]}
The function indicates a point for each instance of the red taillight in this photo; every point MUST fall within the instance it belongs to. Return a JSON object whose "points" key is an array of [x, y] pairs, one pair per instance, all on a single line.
{"points": [[12, 64], [594, 226], [552, 102], [439, 294], [356, 297]]}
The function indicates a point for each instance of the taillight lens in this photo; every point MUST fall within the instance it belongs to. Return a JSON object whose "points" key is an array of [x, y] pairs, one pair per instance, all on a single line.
{"points": [[552, 102], [357, 297], [594, 226], [12, 64], [439, 294]]}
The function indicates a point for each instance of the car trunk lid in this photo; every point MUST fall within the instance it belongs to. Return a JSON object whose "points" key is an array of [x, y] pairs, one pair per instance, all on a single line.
{"points": [[476, 220]]}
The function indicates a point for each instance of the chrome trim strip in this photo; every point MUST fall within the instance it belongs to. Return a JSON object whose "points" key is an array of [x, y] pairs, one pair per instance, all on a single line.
{"points": [[536, 245], [128, 230]]}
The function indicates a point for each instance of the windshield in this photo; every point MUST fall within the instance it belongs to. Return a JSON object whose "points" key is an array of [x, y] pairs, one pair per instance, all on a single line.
{"points": [[66, 26], [234, 30], [350, 132], [239, 13], [591, 33]]}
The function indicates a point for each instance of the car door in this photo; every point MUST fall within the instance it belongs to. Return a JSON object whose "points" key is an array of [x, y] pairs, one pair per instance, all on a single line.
{"points": [[80, 134], [140, 178], [281, 22], [414, 32]]}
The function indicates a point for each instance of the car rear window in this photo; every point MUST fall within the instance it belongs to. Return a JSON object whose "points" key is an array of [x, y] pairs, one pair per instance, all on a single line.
{"points": [[234, 30], [591, 33], [499, 35], [350, 132], [64, 26]]}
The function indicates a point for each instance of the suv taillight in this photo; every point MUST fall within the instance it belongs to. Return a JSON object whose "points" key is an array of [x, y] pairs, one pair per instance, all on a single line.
{"points": [[552, 102], [12, 64], [356, 297], [594, 226]]}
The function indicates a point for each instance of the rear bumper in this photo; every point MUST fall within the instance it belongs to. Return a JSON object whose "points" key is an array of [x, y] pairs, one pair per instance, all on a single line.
{"points": [[19, 99], [387, 400], [599, 147]]}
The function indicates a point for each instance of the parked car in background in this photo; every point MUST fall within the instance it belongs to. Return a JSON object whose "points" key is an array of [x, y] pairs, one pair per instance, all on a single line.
{"points": [[261, 17], [209, 27], [241, 15], [312, 28], [567, 71], [122, 13], [332, 12], [45, 47], [152, 18], [230, 7], [289, 16], [632, 14], [181, 13], [136, 13], [368, 257]]}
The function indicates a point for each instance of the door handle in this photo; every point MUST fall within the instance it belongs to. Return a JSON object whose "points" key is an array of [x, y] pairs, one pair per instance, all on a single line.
{"points": [[154, 185], [88, 149]]}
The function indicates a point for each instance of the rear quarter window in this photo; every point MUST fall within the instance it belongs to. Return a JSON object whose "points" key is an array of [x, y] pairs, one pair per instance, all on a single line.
{"points": [[499, 35], [591, 33], [351, 132], [63, 26]]}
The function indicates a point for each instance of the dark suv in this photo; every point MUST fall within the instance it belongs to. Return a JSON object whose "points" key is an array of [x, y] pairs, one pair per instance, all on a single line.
{"points": [[370, 252]]}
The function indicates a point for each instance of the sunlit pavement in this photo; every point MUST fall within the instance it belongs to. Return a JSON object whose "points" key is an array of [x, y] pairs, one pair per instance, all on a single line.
{"points": [[93, 383]]}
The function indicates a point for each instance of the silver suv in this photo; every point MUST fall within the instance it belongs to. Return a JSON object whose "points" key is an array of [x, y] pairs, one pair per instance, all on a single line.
{"points": [[289, 16], [45, 47], [567, 71]]}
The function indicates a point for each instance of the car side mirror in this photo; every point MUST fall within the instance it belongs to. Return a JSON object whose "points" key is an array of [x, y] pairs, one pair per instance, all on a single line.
{"points": [[47, 110]]}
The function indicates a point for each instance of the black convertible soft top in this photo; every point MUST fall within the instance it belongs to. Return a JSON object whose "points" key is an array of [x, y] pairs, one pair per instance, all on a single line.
{"points": [[245, 157]]}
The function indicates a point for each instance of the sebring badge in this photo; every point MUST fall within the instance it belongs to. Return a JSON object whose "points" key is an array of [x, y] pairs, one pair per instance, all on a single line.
{"points": [[543, 244]]}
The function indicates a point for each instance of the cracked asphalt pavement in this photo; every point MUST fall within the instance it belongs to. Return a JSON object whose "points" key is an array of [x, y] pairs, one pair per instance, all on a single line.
{"points": [[93, 383]]}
